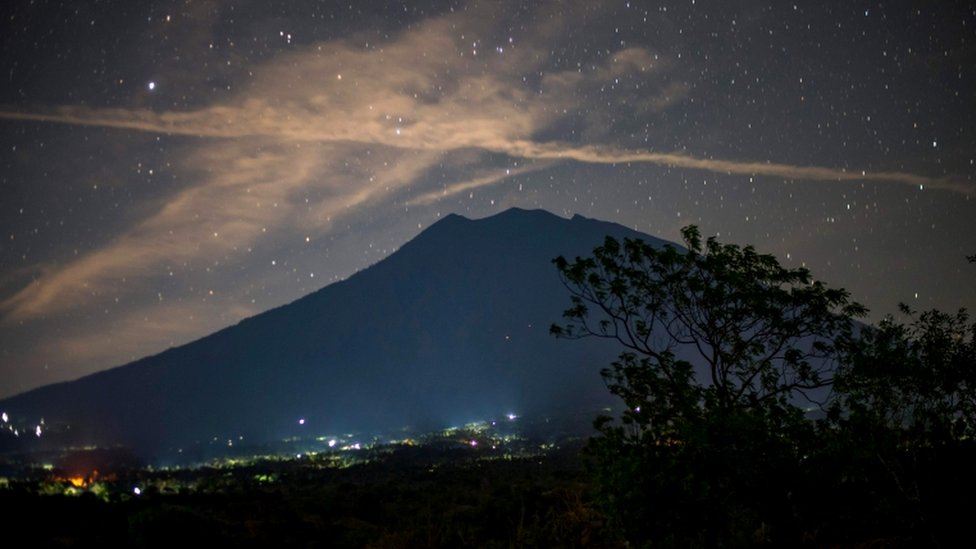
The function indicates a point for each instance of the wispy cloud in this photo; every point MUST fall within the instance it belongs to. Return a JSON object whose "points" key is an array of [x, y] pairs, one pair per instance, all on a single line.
{"points": [[610, 155], [223, 122]]}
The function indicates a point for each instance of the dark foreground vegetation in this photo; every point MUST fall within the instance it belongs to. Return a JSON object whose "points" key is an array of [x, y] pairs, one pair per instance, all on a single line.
{"points": [[437, 497], [757, 412], [410, 497]]}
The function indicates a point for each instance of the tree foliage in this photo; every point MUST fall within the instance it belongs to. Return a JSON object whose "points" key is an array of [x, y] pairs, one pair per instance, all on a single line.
{"points": [[764, 332], [711, 449], [703, 461], [917, 378], [904, 420]]}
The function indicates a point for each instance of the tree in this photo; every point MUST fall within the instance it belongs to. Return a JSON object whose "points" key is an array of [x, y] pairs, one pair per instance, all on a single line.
{"points": [[905, 419], [763, 332], [689, 458], [917, 378]]}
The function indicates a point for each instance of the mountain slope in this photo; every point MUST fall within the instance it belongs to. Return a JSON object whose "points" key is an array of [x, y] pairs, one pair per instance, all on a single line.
{"points": [[451, 327]]}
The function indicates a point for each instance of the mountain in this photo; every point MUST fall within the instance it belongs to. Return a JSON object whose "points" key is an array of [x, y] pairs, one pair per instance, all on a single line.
{"points": [[451, 327]]}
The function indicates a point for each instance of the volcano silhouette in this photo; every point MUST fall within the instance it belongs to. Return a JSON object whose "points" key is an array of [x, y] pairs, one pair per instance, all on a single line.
{"points": [[453, 326]]}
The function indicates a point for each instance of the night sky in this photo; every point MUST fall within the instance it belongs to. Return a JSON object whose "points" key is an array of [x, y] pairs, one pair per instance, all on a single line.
{"points": [[168, 168]]}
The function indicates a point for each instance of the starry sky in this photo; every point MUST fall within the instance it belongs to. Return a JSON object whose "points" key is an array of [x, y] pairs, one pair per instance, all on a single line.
{"points": [[168, 168]]}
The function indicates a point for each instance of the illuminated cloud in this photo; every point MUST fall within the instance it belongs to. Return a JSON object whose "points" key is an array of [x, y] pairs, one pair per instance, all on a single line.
{"points": [[607, 155]]}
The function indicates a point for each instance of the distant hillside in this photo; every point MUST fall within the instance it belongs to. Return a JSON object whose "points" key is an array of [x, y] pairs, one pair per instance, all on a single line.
{"points": [[453, 326]]}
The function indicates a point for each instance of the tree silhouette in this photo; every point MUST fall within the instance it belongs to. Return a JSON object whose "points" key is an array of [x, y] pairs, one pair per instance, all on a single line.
{"points": [[762, 330], [763, 334], [905, 420], [917, 377]]}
